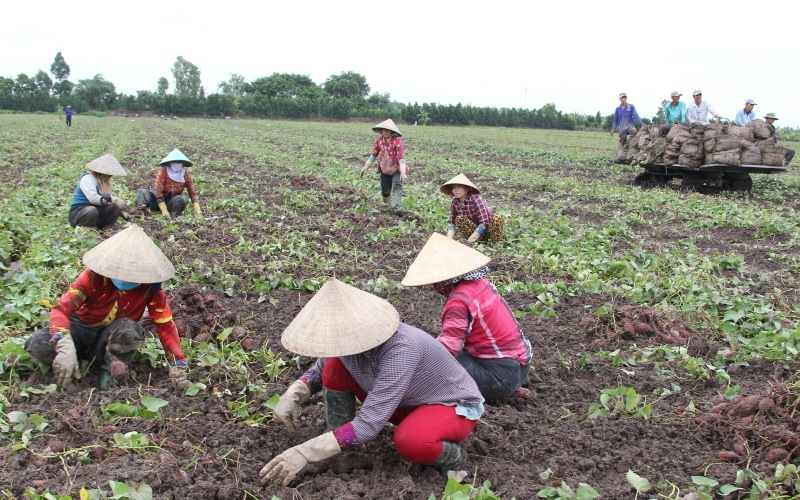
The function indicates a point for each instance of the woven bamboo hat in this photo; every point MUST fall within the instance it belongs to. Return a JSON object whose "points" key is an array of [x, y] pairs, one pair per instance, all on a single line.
{"points": [[176, 155], [442, 259], [447, 187], [130, 255], [388, 125], [106, 164], [340, 320]]}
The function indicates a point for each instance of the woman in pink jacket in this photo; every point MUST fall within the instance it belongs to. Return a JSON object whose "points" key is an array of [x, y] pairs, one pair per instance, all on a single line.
{"points": [[389, 154]]}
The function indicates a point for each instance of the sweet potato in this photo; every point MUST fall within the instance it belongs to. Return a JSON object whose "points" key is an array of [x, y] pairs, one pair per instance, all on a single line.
{"points": [[776, 454], [746, 407], [728, 456], [644, 329]]}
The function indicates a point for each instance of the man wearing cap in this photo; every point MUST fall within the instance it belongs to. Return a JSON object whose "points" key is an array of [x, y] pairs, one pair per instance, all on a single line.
{"points": [[746, 115], [389, 154], [68, 115], [697, 111], [97, 318], [92, 203], [770, 118], [172, 178], [478, 327], [399, 373], [674, 112], [624, 116]]}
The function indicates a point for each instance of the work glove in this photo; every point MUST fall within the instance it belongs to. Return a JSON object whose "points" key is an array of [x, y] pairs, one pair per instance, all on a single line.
{"points": [[65, 365], [474, 237], [285, 466], [365, 167], [403, 174], [451, 233], [197, 211], [179, 374], [105, 200], [163, 207], [288, 408]]}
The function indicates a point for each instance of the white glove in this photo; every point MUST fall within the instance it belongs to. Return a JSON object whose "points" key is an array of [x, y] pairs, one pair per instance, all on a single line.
{"points": [[285, 466], [179, 375], [473, 237], [451, 233], [288, 408], [365, 167], [65, 365]]}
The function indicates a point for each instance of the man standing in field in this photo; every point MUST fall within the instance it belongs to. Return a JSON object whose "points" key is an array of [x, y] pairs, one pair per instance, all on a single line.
{"points": [[624, 116], [68, 115], [746, 115], [697, 112], [770, 119]]}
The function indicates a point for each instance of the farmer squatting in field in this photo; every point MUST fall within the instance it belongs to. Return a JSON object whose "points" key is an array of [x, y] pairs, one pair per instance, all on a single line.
{"points": [[469, 214], [388, 152], [97, 318], [171, 180], [478, 327], [93, 205], [399, 373]]}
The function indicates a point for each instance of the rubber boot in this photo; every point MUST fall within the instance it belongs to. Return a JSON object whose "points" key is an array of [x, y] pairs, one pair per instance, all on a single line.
{"points": [[385, 200], [397, 197], [452, 458], [340, 407]]}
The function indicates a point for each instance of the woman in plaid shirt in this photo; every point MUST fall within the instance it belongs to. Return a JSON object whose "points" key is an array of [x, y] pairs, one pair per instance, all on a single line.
{"points": [[469, 214], [171, 180], [400, 373]]}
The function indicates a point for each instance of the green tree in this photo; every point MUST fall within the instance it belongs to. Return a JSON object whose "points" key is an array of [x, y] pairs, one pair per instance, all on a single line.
{"points": [[163, 86], [98, 92], [285, 85], [659, 118], [347, 85], [379, 101], [236, 86], [60, 70], [6, 93], [187, 78]]}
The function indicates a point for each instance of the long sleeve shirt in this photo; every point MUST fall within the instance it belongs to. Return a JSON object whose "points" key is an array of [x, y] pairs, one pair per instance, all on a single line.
{"points": [[391, 147], [166, 187], [743, 118], [87, 191], [675, 114], [472, 207], [96, 301], [624, 118], [695, 113], [409, 370]]}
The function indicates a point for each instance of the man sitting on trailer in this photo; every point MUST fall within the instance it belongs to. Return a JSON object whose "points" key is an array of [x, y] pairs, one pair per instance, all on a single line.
{"points": [[770, 119], [697, 112], [746, 115]]}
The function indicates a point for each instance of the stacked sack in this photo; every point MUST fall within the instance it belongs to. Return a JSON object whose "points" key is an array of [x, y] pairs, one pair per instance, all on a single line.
{"points": [[690, 146]]}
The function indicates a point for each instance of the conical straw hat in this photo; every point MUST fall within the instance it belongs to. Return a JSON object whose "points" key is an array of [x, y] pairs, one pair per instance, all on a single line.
{"points": [[442, 259], [388, 125], [130, 255], [340, 320], [447, 187], [176, 155], [106, 164]]}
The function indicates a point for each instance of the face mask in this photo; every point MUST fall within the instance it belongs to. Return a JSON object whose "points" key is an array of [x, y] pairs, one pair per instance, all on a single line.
{"points": [[124, 285]]}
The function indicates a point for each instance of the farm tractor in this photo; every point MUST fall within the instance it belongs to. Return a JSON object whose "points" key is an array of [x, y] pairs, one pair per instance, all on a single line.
{"points": [[713, 175]]}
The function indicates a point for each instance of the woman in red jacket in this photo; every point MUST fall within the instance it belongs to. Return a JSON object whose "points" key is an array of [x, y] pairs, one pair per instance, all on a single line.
{"points": [[167, 195]]}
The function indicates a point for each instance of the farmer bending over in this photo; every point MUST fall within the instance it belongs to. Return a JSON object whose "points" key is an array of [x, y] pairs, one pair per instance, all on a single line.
{"points": [[399, 373], [93, 205], [478, 327], [171, 180], [97, 318]]}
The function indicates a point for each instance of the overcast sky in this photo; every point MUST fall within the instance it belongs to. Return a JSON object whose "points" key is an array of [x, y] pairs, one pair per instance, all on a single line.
{"points": [[577, 55]]}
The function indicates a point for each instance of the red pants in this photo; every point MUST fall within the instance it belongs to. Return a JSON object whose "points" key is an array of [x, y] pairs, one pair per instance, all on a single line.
{"points": [[420, 431]]}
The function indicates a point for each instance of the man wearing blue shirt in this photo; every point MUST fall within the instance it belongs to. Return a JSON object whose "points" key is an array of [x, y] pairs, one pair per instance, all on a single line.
{"points": [[624, 116], [746, 115]]}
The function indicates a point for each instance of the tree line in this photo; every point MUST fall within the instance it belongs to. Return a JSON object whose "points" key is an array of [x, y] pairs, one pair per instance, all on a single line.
{"points": [[280, 95]]}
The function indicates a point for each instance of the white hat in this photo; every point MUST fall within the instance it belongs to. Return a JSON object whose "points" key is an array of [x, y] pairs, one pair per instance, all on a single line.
{"points": [[340, 320], [442, 259], [461, 180], [130, 255], [675, 93], [106, 164], [388, 125], [750, 101], [697, 92]]}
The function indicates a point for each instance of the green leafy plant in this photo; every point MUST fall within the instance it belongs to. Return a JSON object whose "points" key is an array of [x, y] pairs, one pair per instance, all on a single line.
{"points": [[618, 402]]}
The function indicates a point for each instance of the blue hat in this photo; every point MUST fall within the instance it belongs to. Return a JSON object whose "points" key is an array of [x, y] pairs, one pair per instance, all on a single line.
{"points": [[176, 155]]}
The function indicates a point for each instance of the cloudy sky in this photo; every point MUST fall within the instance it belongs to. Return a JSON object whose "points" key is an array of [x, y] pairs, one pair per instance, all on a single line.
{"points": [[577, 55]]}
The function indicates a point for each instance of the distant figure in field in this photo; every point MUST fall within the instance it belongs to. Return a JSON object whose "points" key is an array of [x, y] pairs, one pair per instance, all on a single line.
{"points": [[770, 119], [624, 116], [68, 115], [469, 214], [172, 178], [674, 112], [92, 204], [389, 154], [697, 112], [746, 115]]}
